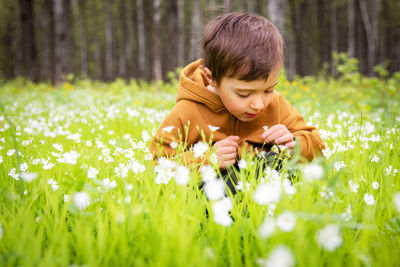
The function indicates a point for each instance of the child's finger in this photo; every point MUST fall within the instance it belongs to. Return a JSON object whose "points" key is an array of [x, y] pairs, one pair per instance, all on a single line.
{"points": [[291, 144], [233, 138], [271, 130], [284, 139], [227, 157], [226, 150]]}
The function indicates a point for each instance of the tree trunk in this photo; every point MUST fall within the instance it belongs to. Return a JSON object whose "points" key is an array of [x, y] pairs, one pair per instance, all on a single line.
{"points": [[123, 54], [228, 5], [333, 35], [63, 40], [371, 29], [180, 40], [195, 36], [173, 34], [156, 47], [276, 13], [141, 37], [351, 37], [47, 40], [82, 37], [29, 52], [109, 42]]}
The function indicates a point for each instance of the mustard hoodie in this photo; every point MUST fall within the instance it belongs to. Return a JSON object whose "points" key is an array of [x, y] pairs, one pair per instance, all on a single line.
{"points": [[197, 105]]}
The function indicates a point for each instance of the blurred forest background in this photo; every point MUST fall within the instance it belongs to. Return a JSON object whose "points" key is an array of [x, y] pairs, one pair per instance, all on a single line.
{"points": [[44, 40]]}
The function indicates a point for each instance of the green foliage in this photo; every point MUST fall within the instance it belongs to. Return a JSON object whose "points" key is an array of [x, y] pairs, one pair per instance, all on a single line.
{"points": [[139, 222]]}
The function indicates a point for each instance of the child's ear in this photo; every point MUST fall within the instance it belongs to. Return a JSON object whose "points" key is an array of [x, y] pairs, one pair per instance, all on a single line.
{"points": [[209, 77]]}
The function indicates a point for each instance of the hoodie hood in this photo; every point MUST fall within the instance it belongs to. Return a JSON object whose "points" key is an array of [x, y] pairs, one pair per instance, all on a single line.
{"points": [[193, 86]]}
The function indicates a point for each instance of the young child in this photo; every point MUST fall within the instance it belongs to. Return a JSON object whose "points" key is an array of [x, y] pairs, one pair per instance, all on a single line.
{"points": [[229, 95]]}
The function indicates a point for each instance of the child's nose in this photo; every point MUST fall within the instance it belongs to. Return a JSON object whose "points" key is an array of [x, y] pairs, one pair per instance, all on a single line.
{"points": [[257, 104]]}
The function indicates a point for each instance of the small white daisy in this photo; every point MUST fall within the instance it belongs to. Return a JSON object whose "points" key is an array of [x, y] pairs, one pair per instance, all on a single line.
{"points": [[168, 129], [329, 237], [369, 199]]}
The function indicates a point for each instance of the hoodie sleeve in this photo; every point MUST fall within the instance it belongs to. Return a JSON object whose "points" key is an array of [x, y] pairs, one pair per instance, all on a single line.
{"points": [[174, 131], [311, 144]]}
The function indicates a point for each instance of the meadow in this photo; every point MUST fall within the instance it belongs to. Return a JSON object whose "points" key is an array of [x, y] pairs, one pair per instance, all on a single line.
{"points": [[79, 186]]}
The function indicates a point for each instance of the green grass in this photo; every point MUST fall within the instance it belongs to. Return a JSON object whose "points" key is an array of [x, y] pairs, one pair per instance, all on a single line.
{"points": [[142, 223]]}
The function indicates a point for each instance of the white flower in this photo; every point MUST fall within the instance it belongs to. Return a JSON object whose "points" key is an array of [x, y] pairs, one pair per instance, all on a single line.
{"points": [[28, 176], [213, 128], [168, 129], [347, 215], [214, 159], [329, 237], [14, 174], [375, 185], [268, 193], [71, 157], [59, 147], [272, 174], [286, 221], [121, 170], [339, 165], [353, 186], [265, 128], [53, 184], [1, 159], [281, 256], [389, 170], [136, 166], [48, 166], [173, 145], [10, 152], [148, 156], [165, 170], [66, 198], [221, 210], [369, 199], [146, 136], [182, 175], [109, 184], [396, 200], [214, 189], [199, 149], [313, 171], [127, 199], [1, 230], [267, 228], [241, 186], [207, 173], [81, 200], [92, 173], [23, 167], [288, 187], [374, 158], [242, 164]]}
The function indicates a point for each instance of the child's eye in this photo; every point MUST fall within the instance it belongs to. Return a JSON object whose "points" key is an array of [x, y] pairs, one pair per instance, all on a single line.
{"points": [[244, 96], [268, 91]]}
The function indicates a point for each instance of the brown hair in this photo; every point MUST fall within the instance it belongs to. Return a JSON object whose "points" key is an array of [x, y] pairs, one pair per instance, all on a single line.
{"points": [[241, 45]]}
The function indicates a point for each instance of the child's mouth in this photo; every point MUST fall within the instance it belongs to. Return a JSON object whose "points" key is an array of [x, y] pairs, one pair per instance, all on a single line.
{"points": [[251, 115]]}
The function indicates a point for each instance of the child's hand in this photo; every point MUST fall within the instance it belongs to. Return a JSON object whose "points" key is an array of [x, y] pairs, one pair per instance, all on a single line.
{"points": [[226, 151], [279, 134]]}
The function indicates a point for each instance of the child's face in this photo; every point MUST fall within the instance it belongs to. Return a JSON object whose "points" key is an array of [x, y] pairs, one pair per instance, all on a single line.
{"points": [[246, 100]]}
